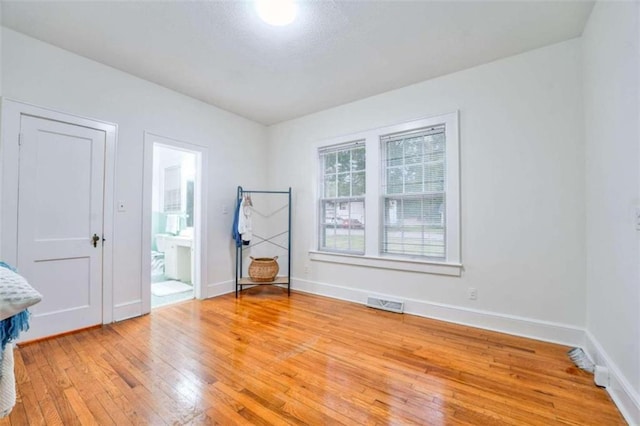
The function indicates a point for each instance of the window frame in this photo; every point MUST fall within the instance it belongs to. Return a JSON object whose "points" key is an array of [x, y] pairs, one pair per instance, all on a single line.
{"points": [[337, 199], [405, 196], [374, 202]]}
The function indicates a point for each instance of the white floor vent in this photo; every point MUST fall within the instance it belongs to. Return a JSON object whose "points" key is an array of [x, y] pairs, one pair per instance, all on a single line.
{"points": [[387, 305]]}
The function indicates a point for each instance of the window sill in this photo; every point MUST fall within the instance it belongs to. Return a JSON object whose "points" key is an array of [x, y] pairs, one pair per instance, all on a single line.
{"points": [[407, 265]]}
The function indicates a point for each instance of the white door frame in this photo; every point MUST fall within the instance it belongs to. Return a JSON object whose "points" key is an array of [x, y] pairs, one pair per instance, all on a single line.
{"points": [[9, 157], [199, 219]]}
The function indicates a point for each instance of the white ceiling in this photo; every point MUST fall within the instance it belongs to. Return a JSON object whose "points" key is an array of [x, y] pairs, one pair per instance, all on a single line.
{"points": [[335, 52]]}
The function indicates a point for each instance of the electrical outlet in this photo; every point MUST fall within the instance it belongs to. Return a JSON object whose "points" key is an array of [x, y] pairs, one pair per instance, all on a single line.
{"points": [[307, 269], [637, 218], [472, 293], [225, 209]]}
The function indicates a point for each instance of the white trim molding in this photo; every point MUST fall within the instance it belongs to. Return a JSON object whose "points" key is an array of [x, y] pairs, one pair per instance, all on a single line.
{"points": [[220, 288], [226, 287], [520, 326], [624, 396], [398, 264]]}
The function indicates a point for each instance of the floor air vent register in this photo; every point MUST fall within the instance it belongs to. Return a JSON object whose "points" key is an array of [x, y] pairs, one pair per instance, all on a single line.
{"points": [[384, 304]]}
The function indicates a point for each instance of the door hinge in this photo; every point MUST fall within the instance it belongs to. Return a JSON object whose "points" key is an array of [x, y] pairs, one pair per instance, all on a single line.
{"points": [[19, 138]]}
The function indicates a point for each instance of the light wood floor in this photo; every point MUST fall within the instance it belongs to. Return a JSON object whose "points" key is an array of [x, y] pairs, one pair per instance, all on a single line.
{"points": [[269, 359]]}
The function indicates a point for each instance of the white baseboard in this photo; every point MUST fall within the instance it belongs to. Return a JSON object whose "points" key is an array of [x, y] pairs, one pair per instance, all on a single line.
{"points": [[133, 309], [127, 310], [218, 289], [510, 324], [621, 391], [226, 287]]}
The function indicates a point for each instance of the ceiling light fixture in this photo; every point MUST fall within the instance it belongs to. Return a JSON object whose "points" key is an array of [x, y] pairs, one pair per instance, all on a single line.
{"points": [[277, 12]]}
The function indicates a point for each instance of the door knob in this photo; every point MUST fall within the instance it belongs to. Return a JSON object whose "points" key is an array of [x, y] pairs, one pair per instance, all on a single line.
{"points": [[95, 240]]}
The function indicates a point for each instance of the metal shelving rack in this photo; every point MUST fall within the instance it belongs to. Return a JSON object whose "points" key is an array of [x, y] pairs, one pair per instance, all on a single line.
{"points": [[280, 279]]}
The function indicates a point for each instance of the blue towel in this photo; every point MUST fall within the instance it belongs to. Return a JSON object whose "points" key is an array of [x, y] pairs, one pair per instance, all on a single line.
{"points": [[11, 327], [234, 232]]}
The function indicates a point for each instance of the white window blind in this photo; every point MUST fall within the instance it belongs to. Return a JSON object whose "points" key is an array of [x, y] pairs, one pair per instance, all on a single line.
{"points": [[172, 194], [342, 192], [414, 193]]}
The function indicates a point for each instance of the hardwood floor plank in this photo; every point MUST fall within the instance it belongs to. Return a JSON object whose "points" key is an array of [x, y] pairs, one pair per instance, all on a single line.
{"points": [[252, 409], [27, 397], [79, 407], [98, 412], [115, 412], [266, 358], [55, 387], [137, 410], [44, 401]]}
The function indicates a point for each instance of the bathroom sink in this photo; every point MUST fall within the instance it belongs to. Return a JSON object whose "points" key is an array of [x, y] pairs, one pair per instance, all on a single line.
{"points": [[180, 241], [187, 232]]}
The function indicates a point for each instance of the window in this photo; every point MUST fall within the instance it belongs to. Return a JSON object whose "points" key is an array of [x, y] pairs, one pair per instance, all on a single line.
{"points": [[172, 195], [414, 193], [410, 186], [342, 198]]}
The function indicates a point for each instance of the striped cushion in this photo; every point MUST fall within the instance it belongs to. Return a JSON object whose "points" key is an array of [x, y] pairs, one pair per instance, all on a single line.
{"points": [[16, 294]]}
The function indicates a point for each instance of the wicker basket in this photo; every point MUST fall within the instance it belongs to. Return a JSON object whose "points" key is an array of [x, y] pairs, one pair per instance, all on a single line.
{"points": [[263, 269]]}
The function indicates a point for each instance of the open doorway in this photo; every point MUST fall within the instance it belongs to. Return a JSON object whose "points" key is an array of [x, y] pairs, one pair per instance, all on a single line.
{"points": [[174, 196], [172, 225]]}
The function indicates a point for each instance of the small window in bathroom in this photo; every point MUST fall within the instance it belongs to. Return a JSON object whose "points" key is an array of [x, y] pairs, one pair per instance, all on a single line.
{"points": [[189, 202], [172, 195]]}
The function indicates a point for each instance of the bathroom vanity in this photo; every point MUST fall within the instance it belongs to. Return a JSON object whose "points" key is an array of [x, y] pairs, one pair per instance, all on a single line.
{"points": [[177, 257]]}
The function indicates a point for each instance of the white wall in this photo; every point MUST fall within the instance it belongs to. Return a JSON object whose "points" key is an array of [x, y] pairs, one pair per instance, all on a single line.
{"points": [[44, 75], [1, 43], [611, 70], [522, 194]]}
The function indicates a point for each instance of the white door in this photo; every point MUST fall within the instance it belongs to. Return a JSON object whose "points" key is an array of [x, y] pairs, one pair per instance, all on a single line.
{"points": [[60, 209]]}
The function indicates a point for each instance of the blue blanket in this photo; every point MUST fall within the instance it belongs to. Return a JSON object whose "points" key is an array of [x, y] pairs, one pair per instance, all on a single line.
{"points": [[11, 327], [234, 232]]}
